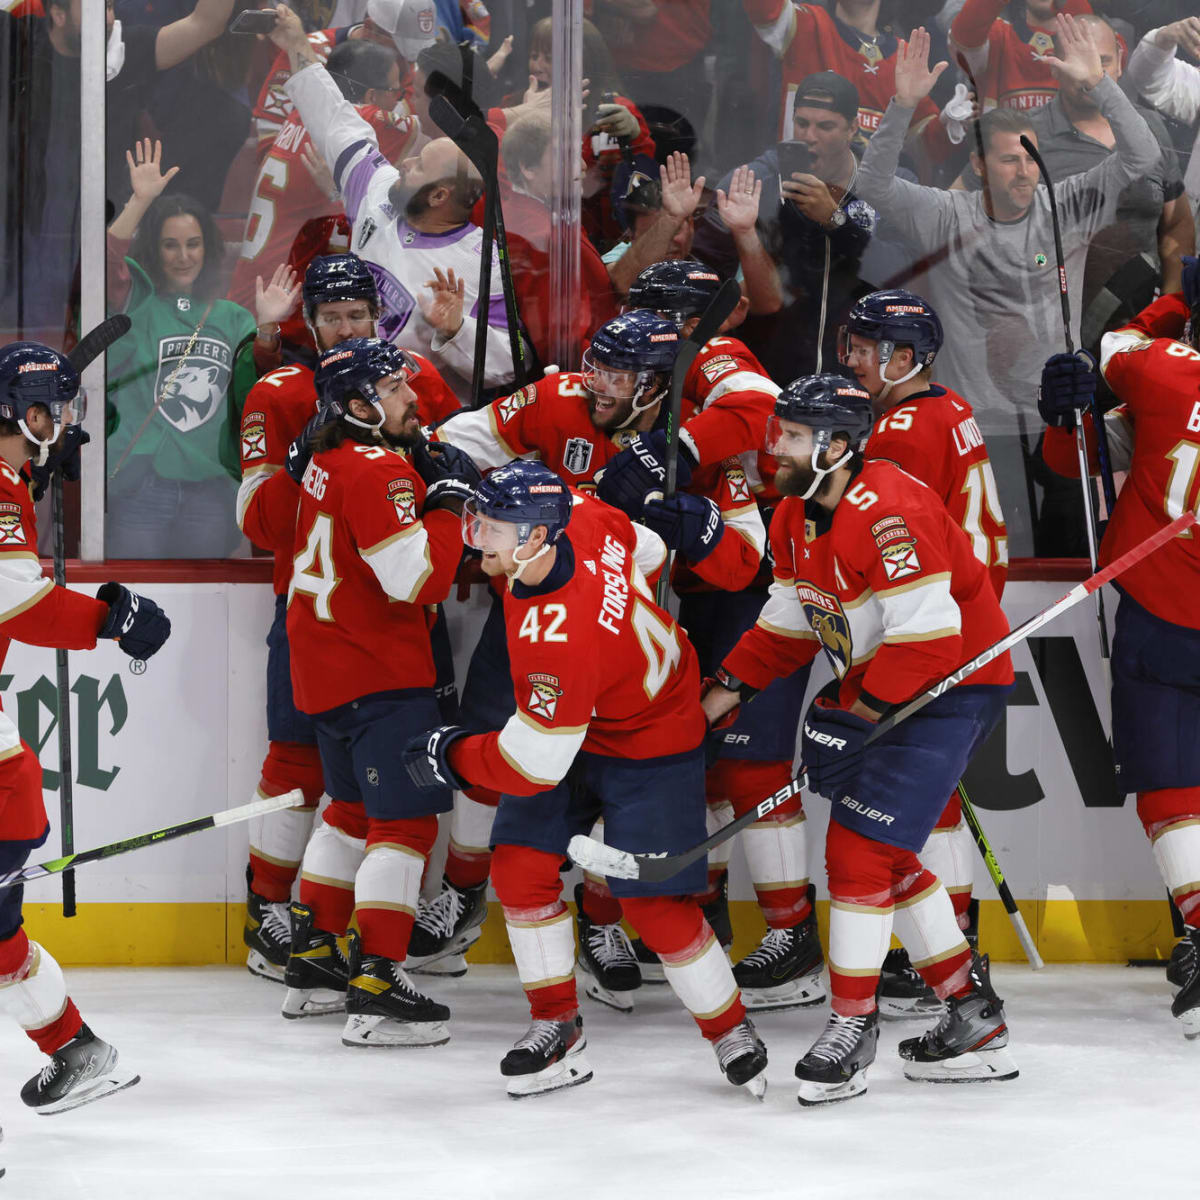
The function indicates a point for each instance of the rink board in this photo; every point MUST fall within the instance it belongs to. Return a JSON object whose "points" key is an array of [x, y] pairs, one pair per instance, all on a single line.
{"points": [[186, 737]]}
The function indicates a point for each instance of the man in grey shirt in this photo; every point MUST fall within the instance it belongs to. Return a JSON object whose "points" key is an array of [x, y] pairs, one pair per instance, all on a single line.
{"points": [[988, 263]]}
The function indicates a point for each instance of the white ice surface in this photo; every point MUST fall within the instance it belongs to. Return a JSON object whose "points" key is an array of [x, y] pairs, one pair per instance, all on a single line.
{"points": [[236, 1102]]}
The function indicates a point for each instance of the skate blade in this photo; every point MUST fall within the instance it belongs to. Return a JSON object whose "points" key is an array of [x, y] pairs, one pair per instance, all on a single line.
{"points": [[977, 1066], [115, 1080], [261, 966], [453, 966], [570, 1072], [909, 1008], [796, 993], [312, 1002], [757, 1087], [364, 1031], [459, 946], [1190, 1021], [812, 1093]]}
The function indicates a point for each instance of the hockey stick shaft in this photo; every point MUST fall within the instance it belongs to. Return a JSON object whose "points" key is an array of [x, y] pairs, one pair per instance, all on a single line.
{"points": [[605, 860], [230, 816], [66, 772], [711, 320], [97, 340], [1002, 889]]}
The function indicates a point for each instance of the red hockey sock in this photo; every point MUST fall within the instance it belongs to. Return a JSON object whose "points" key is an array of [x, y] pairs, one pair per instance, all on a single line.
{"points": [[331, 862], [60, 1031], [274, 868], [1171, 818], [469, 860], [600, 906], [388, 884]]}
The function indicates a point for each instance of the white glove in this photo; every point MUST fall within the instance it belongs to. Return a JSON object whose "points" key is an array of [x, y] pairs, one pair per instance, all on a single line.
{"points": [[616, 120], [959, 109]]}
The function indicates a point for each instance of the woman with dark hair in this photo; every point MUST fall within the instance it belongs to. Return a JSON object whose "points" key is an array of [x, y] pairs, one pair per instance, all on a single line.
{"points": [[177, 380]]}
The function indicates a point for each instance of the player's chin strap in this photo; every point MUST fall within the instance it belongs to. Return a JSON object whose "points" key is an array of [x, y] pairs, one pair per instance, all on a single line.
{"points": [[522, 563], [882, 363], [637, 409], [43, 446], [820, 472]]}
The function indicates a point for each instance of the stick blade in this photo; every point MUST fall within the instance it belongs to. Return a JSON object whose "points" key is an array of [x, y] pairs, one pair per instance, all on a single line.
{"points": [[600, 859], [95, 342]]}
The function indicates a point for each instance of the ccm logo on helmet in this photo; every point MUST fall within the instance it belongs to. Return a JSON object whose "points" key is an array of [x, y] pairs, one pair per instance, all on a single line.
{"points": [[824, 739]]}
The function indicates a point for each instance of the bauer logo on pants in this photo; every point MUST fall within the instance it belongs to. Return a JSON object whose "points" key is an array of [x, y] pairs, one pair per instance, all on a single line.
{"points": [[544, 694]]}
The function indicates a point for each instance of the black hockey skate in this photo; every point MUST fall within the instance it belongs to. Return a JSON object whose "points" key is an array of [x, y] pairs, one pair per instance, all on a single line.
{"points": [[267, 934], [969, 1044], [606, 958], [835, 1067], [971, 933], [785, 970], [317, 970], [742, 1058], [547, 1058], [902, 993], [445, 928], [1185, 1008], [1184, 956], [83, 1070], [384, 1009]]}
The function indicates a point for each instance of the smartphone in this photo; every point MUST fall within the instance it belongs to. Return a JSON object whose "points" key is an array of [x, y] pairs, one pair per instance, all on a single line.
{"points": [[793, 157], [254, 20]]}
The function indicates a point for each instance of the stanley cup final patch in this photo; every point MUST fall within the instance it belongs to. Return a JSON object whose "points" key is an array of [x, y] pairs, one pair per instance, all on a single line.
{"points": [[12, 532], [577, 455], [543, 695], [402, 494]]}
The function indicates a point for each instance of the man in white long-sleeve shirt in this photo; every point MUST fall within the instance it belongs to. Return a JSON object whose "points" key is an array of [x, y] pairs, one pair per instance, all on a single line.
{"points": [[411, 225], [989, 255]]}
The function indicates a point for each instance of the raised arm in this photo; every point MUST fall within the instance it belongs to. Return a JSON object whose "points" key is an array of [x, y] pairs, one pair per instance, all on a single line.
{"points": [[1164, 81], [181, 39]]}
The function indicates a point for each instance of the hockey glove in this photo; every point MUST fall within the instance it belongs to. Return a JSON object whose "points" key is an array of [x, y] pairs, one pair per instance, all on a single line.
{"points": [[1191, 280], [439, 460], [138, 624], [715, 738], [690, 524], [63, 457], [833, 748], [641, 469], [1068, 383], [300, 452], [447, 493], [426, 758]]}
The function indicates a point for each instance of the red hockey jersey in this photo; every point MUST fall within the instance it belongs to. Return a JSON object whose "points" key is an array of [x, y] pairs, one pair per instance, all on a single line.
{"points": [[596, 666], [892, 593], [549, 420], [1008, 61], [933, 436], [366, 563], [278, 407], [32, 610], [807, 40], [1158, 379]]}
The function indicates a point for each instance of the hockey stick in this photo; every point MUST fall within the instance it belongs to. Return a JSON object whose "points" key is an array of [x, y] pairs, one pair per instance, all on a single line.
{"points": [[595, 856], [1002, 888], [231, 816], [89, 348], [1085, 477], [711, 320]]}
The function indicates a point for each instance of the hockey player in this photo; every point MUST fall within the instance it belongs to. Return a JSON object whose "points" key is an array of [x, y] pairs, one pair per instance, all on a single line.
{"points": [[1153, 366], [39, 398], [606, 687], [889, 343], [734, 398], [870, 566], [377, 540], [339, 302]]}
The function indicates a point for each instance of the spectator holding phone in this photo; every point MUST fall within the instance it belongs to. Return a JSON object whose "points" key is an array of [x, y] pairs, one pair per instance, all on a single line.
{"points": [[812, 226]]}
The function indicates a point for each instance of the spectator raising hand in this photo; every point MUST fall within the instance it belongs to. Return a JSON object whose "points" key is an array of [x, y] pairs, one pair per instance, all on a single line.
{"points": [[275, 301], [1080, 62], [443, 307], [914, 79]]}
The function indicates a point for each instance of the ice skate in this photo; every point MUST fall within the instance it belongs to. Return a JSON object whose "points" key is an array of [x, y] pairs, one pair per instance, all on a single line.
{"points": [[317, 969], [835, 1067], [547, 1058], [902, 994], [785, 970], [445, 928], [267, 934], [970, 1043], [1185, 1008], [1184, 956], [83, 1070], [606, 960], [384, 1009], [742, 1058]]}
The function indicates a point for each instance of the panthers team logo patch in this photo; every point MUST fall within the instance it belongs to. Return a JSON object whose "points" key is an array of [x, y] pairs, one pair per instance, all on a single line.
{"points": [[900, 558], [511, 405], [401, 494], [739, 485], [426, 21], [577, 455], [828, 621], [543, 695], [716, 367], [12, 532], [1041, 44], [254, 436]]}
